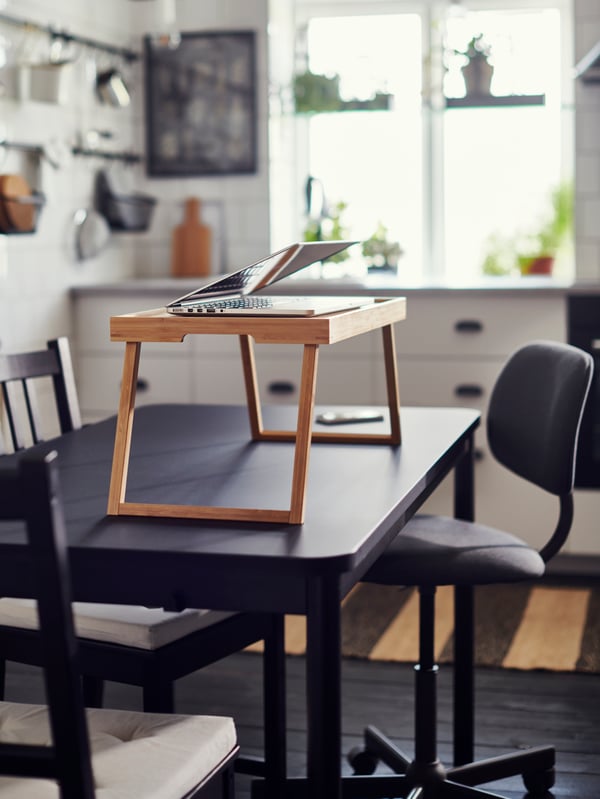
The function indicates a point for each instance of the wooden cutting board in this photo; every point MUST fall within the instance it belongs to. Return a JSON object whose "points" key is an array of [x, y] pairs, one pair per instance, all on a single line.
{"points": [[191, 244]]}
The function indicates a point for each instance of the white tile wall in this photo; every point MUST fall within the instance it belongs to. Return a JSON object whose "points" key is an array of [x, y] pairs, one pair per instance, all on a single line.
{"points": [[39, 269]]}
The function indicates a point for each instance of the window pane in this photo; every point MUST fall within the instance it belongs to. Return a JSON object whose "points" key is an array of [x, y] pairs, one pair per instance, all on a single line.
{"points": [[371, 160], [501, 164]]}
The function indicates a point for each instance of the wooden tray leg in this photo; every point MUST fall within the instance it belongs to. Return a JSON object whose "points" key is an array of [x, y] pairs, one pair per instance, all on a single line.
{"points": [[251, 384], [306, 405], [391, 377], [118, 477]]}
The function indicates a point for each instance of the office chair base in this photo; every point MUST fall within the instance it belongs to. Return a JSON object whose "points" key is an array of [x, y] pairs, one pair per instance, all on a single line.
{"points": [[429, 780]]}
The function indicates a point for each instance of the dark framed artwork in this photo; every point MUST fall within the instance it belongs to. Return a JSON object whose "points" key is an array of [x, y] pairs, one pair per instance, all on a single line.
{"points": [[201, 105]]}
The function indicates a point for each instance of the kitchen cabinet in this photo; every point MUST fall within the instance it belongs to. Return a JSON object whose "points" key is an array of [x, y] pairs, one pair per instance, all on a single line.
{"points": [[207, 368], [450, 349]]}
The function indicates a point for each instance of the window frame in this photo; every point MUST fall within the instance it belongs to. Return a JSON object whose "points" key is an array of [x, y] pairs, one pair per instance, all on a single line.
{"points": [[431, 11]]}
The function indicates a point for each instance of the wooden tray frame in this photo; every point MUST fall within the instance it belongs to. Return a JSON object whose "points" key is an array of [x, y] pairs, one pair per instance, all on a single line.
{"points": [[158, 326]]}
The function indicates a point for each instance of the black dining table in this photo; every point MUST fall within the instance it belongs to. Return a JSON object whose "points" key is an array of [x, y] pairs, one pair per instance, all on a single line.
{"points": [[359, 497]]}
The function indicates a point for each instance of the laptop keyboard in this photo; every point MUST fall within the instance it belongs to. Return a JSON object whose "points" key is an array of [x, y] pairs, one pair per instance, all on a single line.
{"points": [[238, 303]]}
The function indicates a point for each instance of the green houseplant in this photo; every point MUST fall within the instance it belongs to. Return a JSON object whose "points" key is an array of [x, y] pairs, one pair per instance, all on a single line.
{"points": [[329, 227], [381, 254], [533, 252], [540, 249], [314, 92]]}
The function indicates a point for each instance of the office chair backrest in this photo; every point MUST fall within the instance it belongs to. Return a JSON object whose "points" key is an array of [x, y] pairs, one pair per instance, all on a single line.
{"points": [[30, 493], [535, 412], [19, 374]]}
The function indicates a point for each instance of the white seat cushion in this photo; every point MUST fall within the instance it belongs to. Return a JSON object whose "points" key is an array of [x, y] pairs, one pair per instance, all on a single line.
{"points": [[129, 625], [134, 755]]}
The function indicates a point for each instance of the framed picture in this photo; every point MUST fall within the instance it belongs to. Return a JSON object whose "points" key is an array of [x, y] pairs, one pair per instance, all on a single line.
{"points": [[201, 105]]}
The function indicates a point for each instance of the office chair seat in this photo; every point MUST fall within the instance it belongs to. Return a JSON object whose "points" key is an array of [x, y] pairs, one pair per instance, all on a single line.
{"points": [[134, 754], [438, 550]]}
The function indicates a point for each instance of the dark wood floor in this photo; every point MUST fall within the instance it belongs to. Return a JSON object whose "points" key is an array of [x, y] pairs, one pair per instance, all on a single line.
{"points": [[515, 709]]}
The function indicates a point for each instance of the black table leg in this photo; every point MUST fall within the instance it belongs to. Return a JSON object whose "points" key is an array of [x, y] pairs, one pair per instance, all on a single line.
{"points": [[323, 688], [274, 709], [464, 688]]}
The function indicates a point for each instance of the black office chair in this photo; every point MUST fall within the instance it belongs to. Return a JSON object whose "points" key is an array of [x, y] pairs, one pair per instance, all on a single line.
{"points": [[146, 647], [532, 425], [120, 753]]}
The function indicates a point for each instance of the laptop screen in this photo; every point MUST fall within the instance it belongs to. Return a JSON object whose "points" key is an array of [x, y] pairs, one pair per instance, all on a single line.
{"points": [[266, 271]]}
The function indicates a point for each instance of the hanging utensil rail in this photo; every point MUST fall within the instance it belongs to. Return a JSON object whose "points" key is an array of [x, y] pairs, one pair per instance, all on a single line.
{"points": [[55, 33], [128, 158], [33, 149]]}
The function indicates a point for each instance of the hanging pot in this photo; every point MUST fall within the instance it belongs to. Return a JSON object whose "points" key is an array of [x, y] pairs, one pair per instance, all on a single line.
{"points": [[92, 233], [112, 89]]}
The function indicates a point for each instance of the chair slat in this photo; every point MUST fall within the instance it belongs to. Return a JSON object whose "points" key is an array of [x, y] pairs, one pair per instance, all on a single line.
{"points": [[19, 377]]}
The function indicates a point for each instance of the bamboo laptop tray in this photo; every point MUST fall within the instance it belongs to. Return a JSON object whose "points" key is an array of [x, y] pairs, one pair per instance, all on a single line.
{"points": [[158, 326]]}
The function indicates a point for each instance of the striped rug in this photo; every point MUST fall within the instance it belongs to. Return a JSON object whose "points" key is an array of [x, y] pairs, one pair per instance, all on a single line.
{"points": [[517, 626]]}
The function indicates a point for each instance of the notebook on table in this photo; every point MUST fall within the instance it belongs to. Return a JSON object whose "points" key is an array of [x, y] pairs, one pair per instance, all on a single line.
{"points": [[235, 293]]}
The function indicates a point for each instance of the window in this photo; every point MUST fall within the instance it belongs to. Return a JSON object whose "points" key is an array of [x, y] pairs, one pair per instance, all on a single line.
{"points": [[385, 127]]}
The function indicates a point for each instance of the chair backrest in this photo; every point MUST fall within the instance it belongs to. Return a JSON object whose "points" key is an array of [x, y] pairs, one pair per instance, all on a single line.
{"points": [[30, 492], [534, 417], [20, 373]]}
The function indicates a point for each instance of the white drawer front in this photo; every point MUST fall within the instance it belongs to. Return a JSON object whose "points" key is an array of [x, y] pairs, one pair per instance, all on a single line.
{"points": [[221, 379], [479, 325], [159, 380], [92, 319], [433, 382]]}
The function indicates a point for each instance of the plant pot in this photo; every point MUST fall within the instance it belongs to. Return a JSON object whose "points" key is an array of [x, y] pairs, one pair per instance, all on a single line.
{"points": [[478, 75], [538, 265], [383, 269]]}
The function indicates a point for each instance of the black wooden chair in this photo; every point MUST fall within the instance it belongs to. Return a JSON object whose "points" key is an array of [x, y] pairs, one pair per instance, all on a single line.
{"points": [[116, 752], [532, 425], [147, 647]]}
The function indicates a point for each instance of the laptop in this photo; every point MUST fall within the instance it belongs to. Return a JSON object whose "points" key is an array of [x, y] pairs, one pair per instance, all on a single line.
{"points": [[234, 293]]}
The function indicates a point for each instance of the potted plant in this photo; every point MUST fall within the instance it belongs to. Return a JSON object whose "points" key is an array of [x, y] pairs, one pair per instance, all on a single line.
{"points": [[314, 92], [381, 255], [329, 227], [533, 252], [538, 251], [501, 257], [477, 70]]}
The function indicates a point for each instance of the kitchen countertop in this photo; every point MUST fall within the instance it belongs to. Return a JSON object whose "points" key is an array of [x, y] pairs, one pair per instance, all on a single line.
{"points": [[170, 288]]}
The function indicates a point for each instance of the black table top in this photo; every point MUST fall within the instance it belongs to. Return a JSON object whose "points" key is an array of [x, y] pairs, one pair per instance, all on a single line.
{"points": [[358, 496]]}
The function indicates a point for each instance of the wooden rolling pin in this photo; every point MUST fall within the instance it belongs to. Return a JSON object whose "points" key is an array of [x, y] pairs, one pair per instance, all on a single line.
{"points": [[191, 244]]}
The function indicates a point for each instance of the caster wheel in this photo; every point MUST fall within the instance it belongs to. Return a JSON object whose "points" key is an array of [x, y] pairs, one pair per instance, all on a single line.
{"points": [[362, 762], [539, 782]]}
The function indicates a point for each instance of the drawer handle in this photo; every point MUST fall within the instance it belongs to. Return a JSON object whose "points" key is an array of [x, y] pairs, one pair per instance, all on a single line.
{"points": [[468, 390], [468, 326], [281, 387], [478, 455]]}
